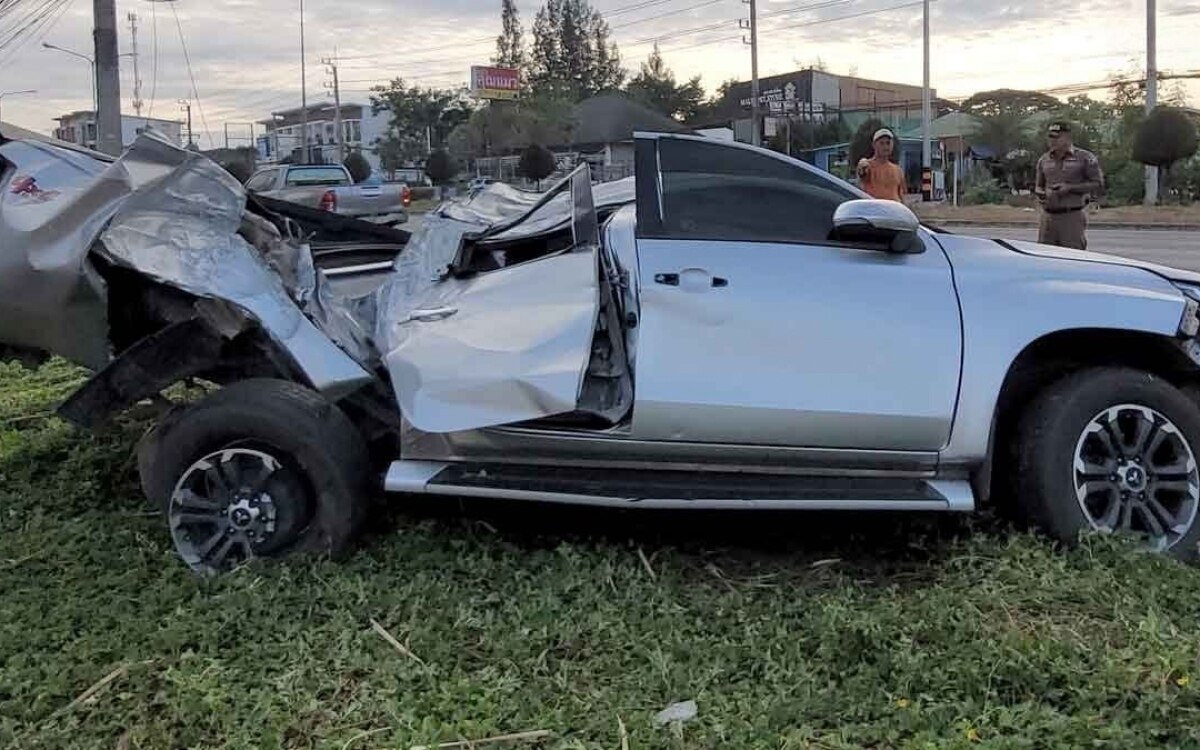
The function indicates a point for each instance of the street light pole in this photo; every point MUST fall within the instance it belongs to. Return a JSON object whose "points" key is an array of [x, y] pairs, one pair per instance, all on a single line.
{"points": [[1151, 90], [13, 93], [926, 118], [91, 67]]}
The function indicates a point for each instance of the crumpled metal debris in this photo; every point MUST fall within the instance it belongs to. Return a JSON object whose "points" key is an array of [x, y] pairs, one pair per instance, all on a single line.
{"points": [[676, 713], [181, 226]]}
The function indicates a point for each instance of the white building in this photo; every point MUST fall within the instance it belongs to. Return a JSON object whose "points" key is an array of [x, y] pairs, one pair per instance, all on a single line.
{"points": [[80, 128], [360, 130]]}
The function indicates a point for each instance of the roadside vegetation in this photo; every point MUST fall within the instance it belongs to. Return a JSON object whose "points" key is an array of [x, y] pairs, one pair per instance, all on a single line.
{"points": [[788, 631]]}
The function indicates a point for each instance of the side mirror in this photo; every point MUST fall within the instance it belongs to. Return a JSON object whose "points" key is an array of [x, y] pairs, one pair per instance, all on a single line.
{"points": [[879, 225]]}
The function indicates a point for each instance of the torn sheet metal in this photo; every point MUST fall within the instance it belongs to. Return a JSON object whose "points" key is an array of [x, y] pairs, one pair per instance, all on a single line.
{"points": [[498, 203], [180, 226], [54, 202], [505, 346]]}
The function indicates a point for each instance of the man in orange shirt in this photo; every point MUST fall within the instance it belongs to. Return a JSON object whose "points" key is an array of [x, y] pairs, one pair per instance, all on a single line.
{"points": [[880, 177]]}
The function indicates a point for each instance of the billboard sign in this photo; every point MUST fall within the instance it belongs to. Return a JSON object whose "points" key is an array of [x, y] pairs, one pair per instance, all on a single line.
{"points": [[495, 83]]}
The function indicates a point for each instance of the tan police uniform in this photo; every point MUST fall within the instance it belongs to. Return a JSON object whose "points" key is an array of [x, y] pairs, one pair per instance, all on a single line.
{"points": [[1064, 218]]}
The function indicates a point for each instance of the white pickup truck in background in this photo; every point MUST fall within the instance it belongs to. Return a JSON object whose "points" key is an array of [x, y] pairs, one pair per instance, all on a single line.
{"points": [[330, 187]]}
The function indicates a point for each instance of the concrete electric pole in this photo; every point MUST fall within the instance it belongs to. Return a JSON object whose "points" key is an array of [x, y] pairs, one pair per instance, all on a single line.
{"points": [[304, 157], [752, 27], [926, 120], [108, 78], [332, 69], [1151, 90], [137, 76]]}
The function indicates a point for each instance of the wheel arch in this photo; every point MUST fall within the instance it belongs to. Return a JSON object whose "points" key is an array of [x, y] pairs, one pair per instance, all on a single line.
{"points": [[1057, 354]]}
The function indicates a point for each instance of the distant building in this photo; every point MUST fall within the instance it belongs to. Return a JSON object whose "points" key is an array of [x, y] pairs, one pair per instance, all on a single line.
{"points": [[80, 128], [283, 139], [601, 134], [817, 95]]}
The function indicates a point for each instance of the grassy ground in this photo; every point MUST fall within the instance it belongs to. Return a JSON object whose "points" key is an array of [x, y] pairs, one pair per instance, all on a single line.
{"points": [[788, 631], [1132, 216]]}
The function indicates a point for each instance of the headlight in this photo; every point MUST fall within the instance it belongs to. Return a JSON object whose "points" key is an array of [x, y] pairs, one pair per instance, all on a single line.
{"points": [[1189, 324]]}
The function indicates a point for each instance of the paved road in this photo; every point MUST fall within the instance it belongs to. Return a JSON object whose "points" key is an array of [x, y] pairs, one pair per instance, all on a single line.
{"points": [[1180, 249]]}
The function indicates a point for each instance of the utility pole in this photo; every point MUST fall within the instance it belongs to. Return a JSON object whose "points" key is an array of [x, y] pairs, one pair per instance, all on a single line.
{"points": [[303, 93], [1151, 90], [185, 105], [108, 77], [752, 27], [332, 69], [137, 76], [926, 119]]}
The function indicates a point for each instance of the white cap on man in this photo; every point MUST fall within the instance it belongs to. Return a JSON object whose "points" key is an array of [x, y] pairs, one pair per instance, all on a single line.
{"points": [[882, 133]]}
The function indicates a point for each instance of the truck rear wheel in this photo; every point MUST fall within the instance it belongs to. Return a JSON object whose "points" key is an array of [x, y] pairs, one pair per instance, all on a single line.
{"points": [[1112, 450], [258, 469]]}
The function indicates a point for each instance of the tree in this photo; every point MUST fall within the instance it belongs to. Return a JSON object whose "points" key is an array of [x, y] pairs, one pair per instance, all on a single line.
{"points": [[572, 56], [861, 144], [390, 151], [440, 167], [808, 135], [358, 166], [416, 115], [655, 87], [502, 130], [1009, 101], [1167, 136], [510, 45], [1016, 148], [537, 163]]}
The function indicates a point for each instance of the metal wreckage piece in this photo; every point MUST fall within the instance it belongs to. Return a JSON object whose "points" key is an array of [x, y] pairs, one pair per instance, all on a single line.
{"points": [[71, 221]]}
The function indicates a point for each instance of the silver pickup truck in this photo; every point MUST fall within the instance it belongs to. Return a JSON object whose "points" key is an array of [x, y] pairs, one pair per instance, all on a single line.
{"points": [[330, 187]]}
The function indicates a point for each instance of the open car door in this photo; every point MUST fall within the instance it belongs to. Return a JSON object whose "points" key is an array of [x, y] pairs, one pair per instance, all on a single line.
{"points": [[507, 345]]}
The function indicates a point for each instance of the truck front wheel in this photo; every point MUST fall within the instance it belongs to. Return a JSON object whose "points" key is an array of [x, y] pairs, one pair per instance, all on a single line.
{"points": [[1112, 450], [258, 469]]}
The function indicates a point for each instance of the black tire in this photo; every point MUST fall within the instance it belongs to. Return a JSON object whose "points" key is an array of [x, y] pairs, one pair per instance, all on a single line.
{"points": [[319, 502], [1051, 429]]}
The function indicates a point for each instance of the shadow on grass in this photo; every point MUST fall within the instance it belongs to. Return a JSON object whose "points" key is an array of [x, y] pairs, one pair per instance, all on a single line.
{"points": [[875, 542]]}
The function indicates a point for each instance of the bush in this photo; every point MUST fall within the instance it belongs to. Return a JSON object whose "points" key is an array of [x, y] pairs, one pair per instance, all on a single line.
{"points": [[537, 162], [1167, 135], [440, 167], [358, 166], [980, 189]]}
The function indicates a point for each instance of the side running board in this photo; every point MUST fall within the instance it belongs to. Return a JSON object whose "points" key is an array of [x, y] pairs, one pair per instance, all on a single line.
{"points": [[674, 489]]}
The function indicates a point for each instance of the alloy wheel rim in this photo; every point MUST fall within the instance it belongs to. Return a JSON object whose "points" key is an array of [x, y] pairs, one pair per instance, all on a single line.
{"points": [[222, 510], [1135, 472]]}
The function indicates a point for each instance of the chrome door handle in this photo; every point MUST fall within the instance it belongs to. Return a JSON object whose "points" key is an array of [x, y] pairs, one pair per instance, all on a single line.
{"points": [[432, 314]]}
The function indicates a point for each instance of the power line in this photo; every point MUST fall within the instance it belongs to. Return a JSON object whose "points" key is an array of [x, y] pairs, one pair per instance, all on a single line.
{"points": [[195, 91], [33, 26], [636, 21]]}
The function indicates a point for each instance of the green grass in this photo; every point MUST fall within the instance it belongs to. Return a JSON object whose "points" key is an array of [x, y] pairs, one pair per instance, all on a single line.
{"points": [[922, 633]]}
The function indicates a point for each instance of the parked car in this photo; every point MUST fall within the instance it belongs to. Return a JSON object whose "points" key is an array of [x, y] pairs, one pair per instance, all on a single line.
{"points": [[793, 346], [330, 187]]}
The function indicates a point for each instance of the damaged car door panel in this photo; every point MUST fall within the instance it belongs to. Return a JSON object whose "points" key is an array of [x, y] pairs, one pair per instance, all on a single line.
{"points": [[729, 328]]}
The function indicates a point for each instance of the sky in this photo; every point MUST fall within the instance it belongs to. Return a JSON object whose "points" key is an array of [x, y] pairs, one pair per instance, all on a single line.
{"points": [[245, 54]]}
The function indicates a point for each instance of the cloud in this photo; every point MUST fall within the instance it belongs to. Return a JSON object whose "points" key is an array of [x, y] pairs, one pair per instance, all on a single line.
{"points": [[245, 53]]}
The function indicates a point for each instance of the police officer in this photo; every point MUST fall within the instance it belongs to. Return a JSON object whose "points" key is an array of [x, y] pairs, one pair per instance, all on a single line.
{"points": [[1067, 177]]}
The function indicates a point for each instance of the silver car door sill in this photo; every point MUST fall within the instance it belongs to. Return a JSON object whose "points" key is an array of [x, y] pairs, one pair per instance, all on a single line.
{"points": [[435, 478], [613, 449]]}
